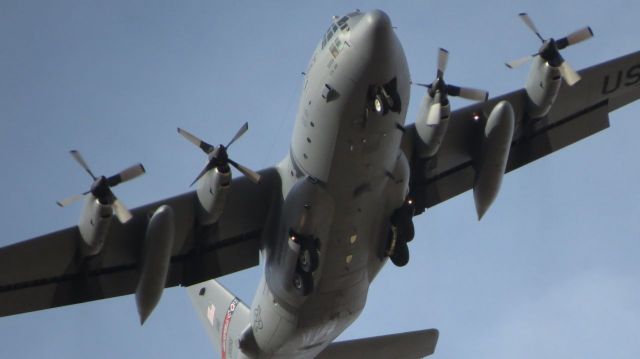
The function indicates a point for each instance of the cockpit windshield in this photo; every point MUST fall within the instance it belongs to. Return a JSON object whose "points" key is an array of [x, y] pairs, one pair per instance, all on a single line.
{"points": [[341, 25]]}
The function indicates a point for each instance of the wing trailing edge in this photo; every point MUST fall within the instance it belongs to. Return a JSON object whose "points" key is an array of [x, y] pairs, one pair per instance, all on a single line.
{"points": [[410, 345]]}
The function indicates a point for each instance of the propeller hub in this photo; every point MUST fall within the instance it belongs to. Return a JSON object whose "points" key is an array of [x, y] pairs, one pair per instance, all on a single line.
{"points": [[221, 154], [100, 190], [101, 187], [218, 157], [549, 52]]}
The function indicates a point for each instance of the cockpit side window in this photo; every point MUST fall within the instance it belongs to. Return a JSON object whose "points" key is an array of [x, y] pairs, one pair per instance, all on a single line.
{"points": [[341, 25]]}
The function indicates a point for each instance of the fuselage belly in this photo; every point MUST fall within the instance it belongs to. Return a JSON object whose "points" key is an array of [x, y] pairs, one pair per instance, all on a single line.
{"points": [[350, 149]]}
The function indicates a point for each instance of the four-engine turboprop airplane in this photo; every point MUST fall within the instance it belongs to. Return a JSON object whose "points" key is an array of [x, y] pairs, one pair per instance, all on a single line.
{"points": [[328, 216]]}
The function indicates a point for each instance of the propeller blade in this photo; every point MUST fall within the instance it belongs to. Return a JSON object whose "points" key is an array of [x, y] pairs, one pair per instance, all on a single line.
{"points": [[250, 174], [468, 93], [433, 117], [70, 200], [575, 37], [126, 175], [204, 170], [207, 148], [121, 211], [443, 58], [519, 62], [78, 157], [569, 75], [239, 134], [527, 21], [421, 84]]}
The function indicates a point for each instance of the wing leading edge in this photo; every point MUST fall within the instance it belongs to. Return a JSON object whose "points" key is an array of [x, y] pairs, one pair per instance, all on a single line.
{"points": [[47, 272], [579, 112]]}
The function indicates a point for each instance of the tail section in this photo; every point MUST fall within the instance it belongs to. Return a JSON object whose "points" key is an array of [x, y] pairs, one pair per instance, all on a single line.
{"points": [[224, 316], [411, 345]]}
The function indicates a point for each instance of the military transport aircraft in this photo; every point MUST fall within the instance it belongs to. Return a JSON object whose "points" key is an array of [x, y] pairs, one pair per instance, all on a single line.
{"points": [[329, 215]]}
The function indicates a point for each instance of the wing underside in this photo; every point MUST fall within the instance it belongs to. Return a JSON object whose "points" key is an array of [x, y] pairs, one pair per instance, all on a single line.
{"points": [[47, 271], [579, 112], [410, 345]]}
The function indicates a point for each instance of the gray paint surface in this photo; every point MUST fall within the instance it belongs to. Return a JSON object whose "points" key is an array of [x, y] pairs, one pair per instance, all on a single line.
{"points": [[571, 268]]}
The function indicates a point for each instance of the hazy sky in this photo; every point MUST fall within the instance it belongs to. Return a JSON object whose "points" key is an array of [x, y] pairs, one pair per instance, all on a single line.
{"points": [[551, 271]]}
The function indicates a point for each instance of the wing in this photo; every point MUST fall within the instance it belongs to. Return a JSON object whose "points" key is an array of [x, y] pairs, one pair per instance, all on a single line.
{"points": [[578, 112], [410, 345], [46, 271]]}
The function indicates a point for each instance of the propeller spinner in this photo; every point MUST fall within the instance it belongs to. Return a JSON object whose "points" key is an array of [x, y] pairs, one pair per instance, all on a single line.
{"points": [[444, 89], [218, 156], [101, 187], [550, 50]]}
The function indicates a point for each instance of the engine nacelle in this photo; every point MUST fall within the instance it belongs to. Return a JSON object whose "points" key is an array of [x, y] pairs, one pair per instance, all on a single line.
{"points": [[155, 260], [432, 124], [494, 154], [542, 88], [212, 191], [94, 225]]}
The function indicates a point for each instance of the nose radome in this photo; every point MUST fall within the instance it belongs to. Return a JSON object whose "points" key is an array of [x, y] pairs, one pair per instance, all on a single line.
{"points": [[377, 21]]}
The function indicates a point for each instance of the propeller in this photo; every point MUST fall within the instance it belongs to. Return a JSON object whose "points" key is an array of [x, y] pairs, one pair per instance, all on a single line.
{"points": [[550, 50], [101, 187], [439, 86], [218, 157]]}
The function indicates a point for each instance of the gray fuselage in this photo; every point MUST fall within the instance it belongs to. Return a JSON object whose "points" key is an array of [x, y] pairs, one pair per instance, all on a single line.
{"points": [[346, 166]]}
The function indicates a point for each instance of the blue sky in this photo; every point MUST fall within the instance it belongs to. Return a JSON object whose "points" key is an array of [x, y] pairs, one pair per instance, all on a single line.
{"points": [[551, 271]]}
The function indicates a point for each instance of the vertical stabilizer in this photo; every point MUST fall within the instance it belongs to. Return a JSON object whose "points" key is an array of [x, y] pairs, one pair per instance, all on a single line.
{"points": [[224, 316]]}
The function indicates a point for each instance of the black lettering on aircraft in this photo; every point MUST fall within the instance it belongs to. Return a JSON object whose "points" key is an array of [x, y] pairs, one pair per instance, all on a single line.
{"points": [[606, 89], [631, 77]]}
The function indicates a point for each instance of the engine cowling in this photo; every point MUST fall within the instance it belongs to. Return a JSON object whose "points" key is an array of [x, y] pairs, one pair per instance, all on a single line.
{"points": [[212, 192], [548, 68], [432, 124], [94, 225], [435, 111], [543, 85]]}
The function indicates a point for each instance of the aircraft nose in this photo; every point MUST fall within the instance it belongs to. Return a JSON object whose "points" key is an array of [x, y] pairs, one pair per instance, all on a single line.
{"points": [[377, 22], [374, 38]]}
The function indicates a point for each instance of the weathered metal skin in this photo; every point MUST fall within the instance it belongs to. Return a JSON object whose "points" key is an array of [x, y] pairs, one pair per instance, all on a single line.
{"points": [[94, 225], [344, 177], [431, 133], [543, 85], [212, 191], [491, 163], [155, 257]]}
